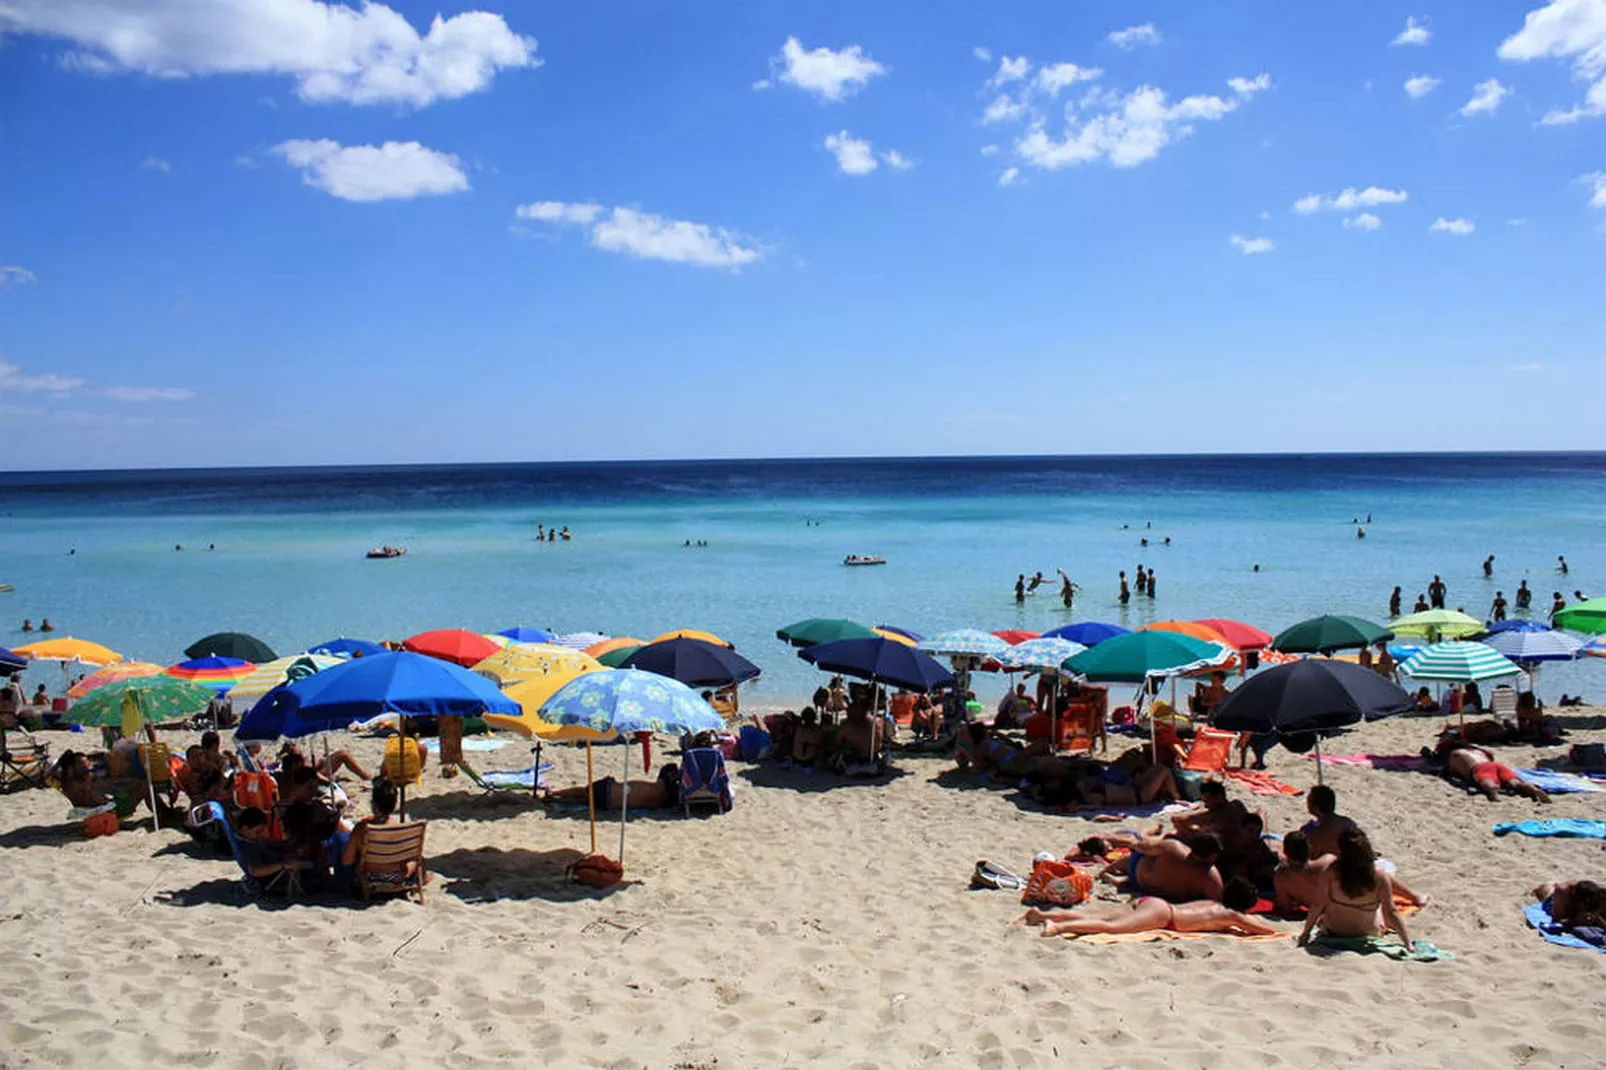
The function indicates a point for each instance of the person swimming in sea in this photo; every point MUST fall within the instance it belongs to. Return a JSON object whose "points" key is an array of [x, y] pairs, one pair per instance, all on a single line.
{"points": [[1037, 581], [1561, 564]]}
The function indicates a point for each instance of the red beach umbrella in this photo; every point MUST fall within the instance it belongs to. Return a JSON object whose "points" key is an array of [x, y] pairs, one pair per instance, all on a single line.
{"points": [[1012, 636], [455, 645], [1239, 636]]}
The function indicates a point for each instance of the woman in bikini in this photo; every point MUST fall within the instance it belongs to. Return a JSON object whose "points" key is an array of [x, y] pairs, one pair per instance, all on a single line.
{"points": [[1151, 914], [660, 794], [1353, 897]]}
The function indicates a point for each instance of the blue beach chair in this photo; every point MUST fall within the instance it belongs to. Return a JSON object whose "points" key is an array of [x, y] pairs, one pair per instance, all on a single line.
{"points": [[251, 887], [703, 779]]}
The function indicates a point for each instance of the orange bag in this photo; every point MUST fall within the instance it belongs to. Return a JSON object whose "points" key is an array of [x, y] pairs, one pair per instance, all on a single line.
{"points": [[1057, 883], [599, 871], [101, 825]]}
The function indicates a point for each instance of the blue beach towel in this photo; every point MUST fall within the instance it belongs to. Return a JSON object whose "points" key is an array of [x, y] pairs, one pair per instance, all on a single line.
{"points": [[1379, 945], [1557, 783], [1538, 915], [433, 745], [1565, 827], [511, 778]]}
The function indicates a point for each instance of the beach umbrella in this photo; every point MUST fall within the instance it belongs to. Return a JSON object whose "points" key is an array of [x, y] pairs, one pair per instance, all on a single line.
{"points": [[1136, 656], [11, 661], [1518, 624], [881, 661], [286, 670], [269, 718], [628, 701], [1327, 633], [524, 661], [1046, 655], [531, 695], [896, 637], [1458, 661], [231, 645], [404, 683], [1239, 636], [616, 657], [218, 673], [527, 635], [1437, 624], [68, 650], [1190, 628], [1595, 648], [890, 632], [160, 698], [1588, 616], [815, 630], [693, 662], [456, 645], [347, 648], [1528, 647], [117, 670], [1310, 697], [608, 646], [1087, 632], [579, 640], [692, 633], [964, 643], [1015, 636], [501, 642]]}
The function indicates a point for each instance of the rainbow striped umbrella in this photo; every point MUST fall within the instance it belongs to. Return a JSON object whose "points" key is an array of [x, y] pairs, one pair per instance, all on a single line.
{"points": [[120, 670], [219, 674]]}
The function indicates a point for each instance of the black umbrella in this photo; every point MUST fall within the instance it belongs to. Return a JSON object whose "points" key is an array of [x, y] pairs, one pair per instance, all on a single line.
{"points": [[1312, 696], [231, 645], [881, 661], [692, 662]]}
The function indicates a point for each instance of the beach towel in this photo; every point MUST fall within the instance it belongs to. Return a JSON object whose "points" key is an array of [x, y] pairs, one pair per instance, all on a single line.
{"points": [[471, 744], [1164, 934], [1554, 782], [1260, 782], [1379, 945], [1538, 915], [1122, 813], [1372, 761], [1564, 827], [515, 778]]}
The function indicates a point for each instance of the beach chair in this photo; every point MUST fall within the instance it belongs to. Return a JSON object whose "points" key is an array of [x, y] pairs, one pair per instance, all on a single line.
{"points": [[1503, 703], [504, 785], [1209, 751], [261, 791], [157, 760], [211, 813], [22, 768], [703, 780], [391, 861]]}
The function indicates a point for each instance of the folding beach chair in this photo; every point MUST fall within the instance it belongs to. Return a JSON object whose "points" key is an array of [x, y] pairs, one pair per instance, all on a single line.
{"points": [[288, 879], [1209, 751], [23, 768], [499, 784], [1503, 703], [703, 779], [391, 861], [157, 759]]}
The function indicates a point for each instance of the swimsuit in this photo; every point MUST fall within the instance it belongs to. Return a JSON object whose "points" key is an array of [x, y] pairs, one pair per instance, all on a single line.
{"points": [[1493, 773], [1132, 862], [1171, 911]]}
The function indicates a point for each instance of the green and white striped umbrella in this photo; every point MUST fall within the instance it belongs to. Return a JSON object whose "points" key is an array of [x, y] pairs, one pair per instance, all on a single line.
{"points": [[1459, 662]]}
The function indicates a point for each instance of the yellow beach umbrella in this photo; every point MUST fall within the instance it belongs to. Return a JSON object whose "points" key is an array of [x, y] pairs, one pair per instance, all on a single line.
{"points": [[69, 649], [896, 637], [519, 662], [530, 694], [122, 670], [693, 633]]}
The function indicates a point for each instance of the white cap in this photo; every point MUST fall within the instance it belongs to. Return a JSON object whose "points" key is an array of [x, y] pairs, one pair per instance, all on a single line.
{"points": [[1045, 856]]}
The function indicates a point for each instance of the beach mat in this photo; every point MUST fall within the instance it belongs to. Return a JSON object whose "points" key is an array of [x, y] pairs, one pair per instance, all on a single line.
{"points": [[1261, 782], [1372, 761], [433, 745], [1123, 813], [1555, 782], [1560, 827], [1155, 935], [1388, 947], [1539, 918], [515, 778]]}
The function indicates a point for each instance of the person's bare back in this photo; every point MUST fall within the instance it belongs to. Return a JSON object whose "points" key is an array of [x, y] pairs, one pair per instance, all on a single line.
{"points": [[1170, 870]]}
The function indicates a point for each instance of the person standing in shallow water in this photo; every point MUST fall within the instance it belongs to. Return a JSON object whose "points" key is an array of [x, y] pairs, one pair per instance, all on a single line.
{"points": [[1394, 603], [1151, 583], [1557, 603], [1126, 593], [1020, 587], [1525, 596], [1436, 593], [1488, 566], [1497, 611]]}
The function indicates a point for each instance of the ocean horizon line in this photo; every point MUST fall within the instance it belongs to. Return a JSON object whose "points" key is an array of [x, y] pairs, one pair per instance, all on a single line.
{"points": [[798, 459]]}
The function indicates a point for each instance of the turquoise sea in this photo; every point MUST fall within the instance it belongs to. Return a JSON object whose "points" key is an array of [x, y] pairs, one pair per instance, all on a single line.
{"points": [[94, 551]]}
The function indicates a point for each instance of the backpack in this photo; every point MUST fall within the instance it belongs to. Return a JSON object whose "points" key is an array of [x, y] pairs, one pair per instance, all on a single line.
{"points": [[1057, 883], [599, 871]]}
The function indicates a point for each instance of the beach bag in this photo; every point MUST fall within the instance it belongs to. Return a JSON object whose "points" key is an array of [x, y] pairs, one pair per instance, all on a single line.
{"points": [[1057, 883], [599, 871], [993, 875], [1588, 755], [101, 824], [752, 743]]}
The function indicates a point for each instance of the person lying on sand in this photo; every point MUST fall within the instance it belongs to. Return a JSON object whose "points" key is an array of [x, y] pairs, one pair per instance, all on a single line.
{"points": [[1574, 903], [1297, 876], [1174, 869], [660, 794], [1150, 914], [1353, 897], [1477, 767]]}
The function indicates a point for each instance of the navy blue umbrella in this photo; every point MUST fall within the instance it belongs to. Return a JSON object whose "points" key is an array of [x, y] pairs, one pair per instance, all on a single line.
{"points": [[347, 648], [883, 661], [1087, 632], [10, 661], [692, 662]]}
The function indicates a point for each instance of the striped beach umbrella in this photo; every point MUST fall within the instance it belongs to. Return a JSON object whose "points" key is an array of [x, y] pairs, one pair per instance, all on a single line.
{"points": [[579, 640], [1458, 661], [120, 670], [287, 670], [219, 674]]}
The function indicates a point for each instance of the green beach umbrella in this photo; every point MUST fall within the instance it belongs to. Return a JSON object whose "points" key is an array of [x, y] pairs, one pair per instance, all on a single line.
{"points": [[1458, 661], [1587, 616], [1136, 656], [616, 657], [817, 630], [1436, 624], [1327, 633], [160, 698]]}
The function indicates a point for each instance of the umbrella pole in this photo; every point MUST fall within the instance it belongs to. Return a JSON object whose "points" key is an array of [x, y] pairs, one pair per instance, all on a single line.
{"points": [[591, 797], [1318, 758], [535, 778], [624, 803], [1054, 713]]}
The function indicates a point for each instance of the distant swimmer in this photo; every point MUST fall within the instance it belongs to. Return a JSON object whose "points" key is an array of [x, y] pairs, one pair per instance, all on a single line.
{"points": [[688, 544], [1151, 583], [1525, 596], [1421, 604], [1394, 602], [1148, 523], [1020, 587], [1436, 593], [1256, 568], [27, 625], [178, 546], [1360, 533], [1126, 594], [1067, 588], [1497, 610], [1167, 541], [211, 546], [1143, 542], [1561, 564], [564, 534], [1037, 581], [73, 552], [1368, 518], [1579, 596], [46, 626], [1557, 603], [1488, 566], [540, 533]]}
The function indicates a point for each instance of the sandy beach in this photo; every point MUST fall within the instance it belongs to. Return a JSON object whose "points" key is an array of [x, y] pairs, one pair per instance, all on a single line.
{"points": [[820, 922]]}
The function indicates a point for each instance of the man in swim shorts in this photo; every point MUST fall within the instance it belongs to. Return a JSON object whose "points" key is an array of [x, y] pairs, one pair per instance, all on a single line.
{"points": [[1478, 767]]}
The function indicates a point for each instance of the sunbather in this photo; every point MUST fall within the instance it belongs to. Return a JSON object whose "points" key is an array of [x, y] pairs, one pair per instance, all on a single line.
{"points": [[1151, 914], [1298, 874], [1574, 903], [87, 791], [261, 856], [808, 738], [1218, 814], [1174, 869], [660, 794], [1477, 767], [1326, 824], [1353, 897], [331, 764]]}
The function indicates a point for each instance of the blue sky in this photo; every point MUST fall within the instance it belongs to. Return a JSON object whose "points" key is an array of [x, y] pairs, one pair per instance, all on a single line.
{"points": [[291, 232]]}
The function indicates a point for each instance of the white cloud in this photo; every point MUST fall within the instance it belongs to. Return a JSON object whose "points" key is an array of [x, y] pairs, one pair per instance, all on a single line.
{"points": [[853, 155], [1133, 36], [558, 212], [396, 170], [1009, 177], [1415, 33], [1127, 129], [897, 160], [1596, 180], [12, 275], [1011, 70], [1459, 227], [647, 236], [156, 163], [1251, 246], [1364, 221], [1528, 369], [1566, 29], [1516, 222], [1349, 199], [14, 379], [1421, 85], [1056, 76], [989, 150], [360, 55], [1486, 97], [983, 54], [829, 75], [1003, 108], [148, 393]]}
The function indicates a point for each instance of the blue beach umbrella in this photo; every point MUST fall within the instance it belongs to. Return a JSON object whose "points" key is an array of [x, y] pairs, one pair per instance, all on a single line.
{"points": [[1527, 647], [528, 635], [411, 685], [1518, 624], [10, 661], [347, 648], [882, 661], [1087, 632]]}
